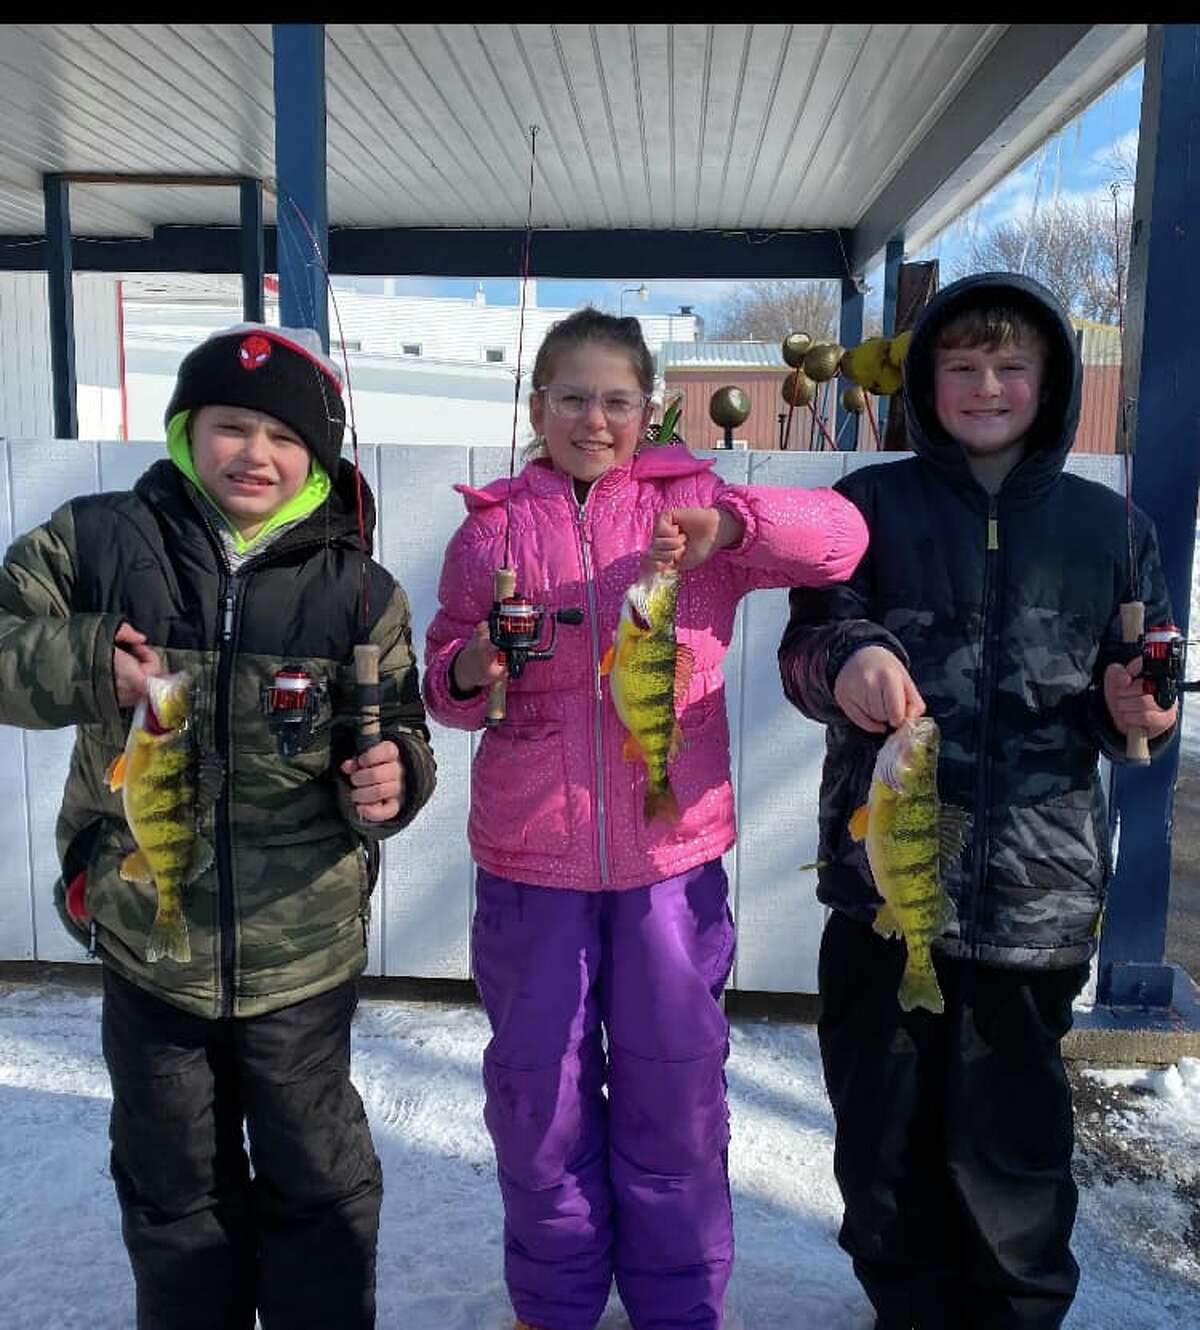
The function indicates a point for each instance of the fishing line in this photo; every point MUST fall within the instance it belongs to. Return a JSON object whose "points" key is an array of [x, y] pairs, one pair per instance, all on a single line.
{"points": [[359, 502], [528, 245], [1123, 416]]}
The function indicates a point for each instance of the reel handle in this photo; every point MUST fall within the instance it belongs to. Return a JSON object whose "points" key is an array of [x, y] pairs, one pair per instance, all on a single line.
{"points": [[366, 680], [1133, 626], [504, 584]]}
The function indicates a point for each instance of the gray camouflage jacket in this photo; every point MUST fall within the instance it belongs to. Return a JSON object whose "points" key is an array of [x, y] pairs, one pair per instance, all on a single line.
{"points": [[282, 915], [1005, 610]]}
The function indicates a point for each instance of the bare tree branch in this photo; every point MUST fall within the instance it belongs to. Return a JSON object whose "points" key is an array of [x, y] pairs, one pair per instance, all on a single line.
{"points": [[1070, 247], [767, 311]]}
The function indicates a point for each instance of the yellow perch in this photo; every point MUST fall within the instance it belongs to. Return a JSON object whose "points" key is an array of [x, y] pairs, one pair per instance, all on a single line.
{"points": [[908, 835], [155, 775], [650, 674]]}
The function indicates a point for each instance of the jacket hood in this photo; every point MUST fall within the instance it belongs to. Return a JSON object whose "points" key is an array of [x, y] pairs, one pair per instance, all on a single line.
{"points": [[336, 519], [1053, 430]]}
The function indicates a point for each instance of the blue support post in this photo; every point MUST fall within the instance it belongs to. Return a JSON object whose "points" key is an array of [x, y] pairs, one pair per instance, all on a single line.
{"points": [[252, 248], [850, 331], [1163, 331], [893, 258], [300, 173], [56, 192]]}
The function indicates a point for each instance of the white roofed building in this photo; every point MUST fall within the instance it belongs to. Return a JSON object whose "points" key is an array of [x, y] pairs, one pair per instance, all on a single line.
{"points": [[423, 369]]}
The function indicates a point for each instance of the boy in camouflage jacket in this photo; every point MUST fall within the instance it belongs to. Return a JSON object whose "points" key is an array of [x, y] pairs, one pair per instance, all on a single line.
{"points": [[239, 557], [989, 598]]}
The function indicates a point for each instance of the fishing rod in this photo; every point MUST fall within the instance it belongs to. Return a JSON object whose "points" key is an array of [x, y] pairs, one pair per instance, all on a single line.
{"points": [[1162, 647], [293, 699], [515, 624]]}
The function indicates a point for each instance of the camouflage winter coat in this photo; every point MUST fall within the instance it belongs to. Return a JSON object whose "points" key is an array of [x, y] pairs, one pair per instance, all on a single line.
{"points": [[1005, 610], [282, 914]]}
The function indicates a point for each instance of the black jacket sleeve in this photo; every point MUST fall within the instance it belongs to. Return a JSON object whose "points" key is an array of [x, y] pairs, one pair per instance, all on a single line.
{"points": [[826, 627]]}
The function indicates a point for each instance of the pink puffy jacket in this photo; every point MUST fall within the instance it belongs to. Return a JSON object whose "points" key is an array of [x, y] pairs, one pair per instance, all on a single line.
{"points": [[553, 802]]}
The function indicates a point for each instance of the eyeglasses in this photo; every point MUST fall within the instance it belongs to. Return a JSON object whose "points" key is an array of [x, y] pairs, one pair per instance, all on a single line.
{"points": [[573, 403]]}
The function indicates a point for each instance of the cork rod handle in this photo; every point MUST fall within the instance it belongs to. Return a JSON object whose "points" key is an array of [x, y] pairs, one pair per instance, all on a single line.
{"points": [[1133, 624], [504, 585]]}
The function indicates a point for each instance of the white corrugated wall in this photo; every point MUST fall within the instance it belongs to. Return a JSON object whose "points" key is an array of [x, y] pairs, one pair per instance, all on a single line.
{"points": [[26, 384], [423, 904]]}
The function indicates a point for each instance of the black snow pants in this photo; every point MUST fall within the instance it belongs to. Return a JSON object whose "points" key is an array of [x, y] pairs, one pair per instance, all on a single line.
{"points": [[954, 1136], [209, 1243]]}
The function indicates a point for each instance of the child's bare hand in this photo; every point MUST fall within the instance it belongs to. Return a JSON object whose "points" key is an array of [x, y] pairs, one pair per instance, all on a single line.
{"points": [[686, 537], [133, 663], [376, 782], [875, 690], [1132, 709], [478, 664]]}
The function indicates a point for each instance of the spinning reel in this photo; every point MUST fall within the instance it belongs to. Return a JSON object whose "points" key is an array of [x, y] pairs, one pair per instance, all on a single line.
{"points": [[1163, 650], [515, 626]]}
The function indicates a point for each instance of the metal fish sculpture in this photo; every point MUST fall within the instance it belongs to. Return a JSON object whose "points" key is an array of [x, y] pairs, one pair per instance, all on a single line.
{"points": [[650, 674], [909, 835], [156, 777]]}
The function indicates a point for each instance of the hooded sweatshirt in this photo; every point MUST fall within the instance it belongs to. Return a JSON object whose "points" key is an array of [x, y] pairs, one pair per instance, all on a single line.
{"points": [[1005, 609]]}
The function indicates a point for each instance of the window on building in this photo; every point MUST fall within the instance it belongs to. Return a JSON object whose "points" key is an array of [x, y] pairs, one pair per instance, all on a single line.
{"points": [[350, 344], [494, 355], [411, 349]]}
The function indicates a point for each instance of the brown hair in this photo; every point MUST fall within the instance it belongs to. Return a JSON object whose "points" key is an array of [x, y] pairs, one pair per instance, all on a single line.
{"points": [[590, 325], [992, 327]]}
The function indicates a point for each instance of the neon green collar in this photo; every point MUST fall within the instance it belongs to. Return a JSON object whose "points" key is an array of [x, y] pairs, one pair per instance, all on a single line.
{"points": [[312, 495]]}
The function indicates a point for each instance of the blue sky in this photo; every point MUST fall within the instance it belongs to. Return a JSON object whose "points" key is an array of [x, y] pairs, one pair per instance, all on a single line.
{"points": [[1071, 164]]}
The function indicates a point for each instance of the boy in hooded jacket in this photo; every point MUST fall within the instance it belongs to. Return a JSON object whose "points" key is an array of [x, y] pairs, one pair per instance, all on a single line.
{"points": [[989, 599], [240, 559]]}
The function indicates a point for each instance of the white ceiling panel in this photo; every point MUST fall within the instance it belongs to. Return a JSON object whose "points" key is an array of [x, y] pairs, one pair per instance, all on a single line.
{"points": [[687, 126]]}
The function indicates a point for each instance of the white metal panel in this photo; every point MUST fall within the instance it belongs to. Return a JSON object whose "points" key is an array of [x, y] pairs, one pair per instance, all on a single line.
{"points": [[424, 903], [45, 474], [121, 464], [732, 467], [1104, 468], [26, 380], [16, 906], [26, 393], [779, 770], [427, 883]]}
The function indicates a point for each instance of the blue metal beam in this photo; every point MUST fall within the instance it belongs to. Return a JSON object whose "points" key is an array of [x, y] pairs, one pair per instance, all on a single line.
{"points": [[893, 258], [254, 267], [850, 330], [1163, 331], [57, 195], [302, 215], [445, 252]]}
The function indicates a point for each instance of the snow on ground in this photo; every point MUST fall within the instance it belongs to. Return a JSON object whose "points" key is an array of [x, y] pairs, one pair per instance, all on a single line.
{"points": [[62, 1265]]}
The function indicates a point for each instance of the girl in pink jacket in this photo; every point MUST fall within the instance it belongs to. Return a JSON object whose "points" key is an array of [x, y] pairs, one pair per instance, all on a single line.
{"points": [[601, 943]]}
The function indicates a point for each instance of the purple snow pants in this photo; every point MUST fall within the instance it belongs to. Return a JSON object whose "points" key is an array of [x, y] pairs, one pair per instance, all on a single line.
{"points": [[634, 1184]]}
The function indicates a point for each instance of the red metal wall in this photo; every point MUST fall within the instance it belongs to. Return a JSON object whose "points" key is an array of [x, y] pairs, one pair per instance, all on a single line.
{"points": [[1097, 420], [761, 428]]}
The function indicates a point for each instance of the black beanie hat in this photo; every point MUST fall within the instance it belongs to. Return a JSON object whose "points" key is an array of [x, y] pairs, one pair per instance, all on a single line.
{"points": [[279, 371]]}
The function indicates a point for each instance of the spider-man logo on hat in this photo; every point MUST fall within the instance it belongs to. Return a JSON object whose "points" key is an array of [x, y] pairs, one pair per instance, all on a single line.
{"points": [[254, 352]]}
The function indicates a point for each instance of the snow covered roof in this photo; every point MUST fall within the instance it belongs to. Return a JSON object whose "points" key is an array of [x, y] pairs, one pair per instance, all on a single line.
{"points": [[721, 355]]}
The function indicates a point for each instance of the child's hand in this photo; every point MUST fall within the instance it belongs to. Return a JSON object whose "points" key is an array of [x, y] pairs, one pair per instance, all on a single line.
{"points": [[133, 663], [686, 537], [1129, 707], [478, 664], [376, 782], [875, 690]]}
